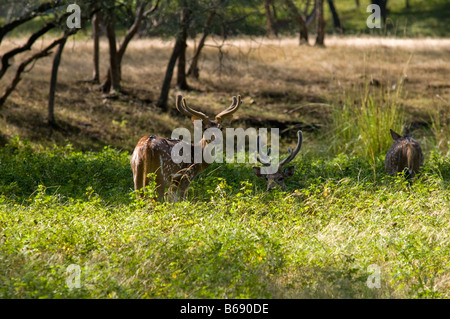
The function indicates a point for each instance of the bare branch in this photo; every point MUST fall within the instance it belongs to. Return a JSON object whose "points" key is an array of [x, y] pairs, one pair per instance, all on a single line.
{"points": [[43, 53], [27, 46], [152, 9], [27, 17]]}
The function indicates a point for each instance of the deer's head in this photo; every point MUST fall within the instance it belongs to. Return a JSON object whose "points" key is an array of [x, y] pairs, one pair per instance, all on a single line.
{"points": [[282, 173]]}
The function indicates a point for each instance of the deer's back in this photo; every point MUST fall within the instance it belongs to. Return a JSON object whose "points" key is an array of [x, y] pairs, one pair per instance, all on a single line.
{"points": [[404, 154], [153, 155]]}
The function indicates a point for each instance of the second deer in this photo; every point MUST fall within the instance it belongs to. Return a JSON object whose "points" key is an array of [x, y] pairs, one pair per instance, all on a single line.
{"points": [[277, 178], [405, 155]]}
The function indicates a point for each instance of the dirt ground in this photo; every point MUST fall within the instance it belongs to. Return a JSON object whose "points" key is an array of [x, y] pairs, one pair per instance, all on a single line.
{"points": [[281, 83]]}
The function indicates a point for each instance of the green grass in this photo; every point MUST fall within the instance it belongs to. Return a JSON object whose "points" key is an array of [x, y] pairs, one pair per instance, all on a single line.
{"points": [[423, 18], [230, 239]]}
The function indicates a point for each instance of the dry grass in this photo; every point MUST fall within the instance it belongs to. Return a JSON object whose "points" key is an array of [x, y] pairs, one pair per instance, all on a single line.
{"points": [[278, 80]]}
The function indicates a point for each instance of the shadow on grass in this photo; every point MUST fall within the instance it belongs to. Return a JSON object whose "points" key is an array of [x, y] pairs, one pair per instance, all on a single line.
{"points": [[65, 172]]}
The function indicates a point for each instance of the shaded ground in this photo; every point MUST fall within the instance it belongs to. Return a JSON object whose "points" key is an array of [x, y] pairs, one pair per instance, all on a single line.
{"points": [[282, 85]]}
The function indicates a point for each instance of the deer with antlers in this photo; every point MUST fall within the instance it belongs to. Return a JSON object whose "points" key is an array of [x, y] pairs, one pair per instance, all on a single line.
{"points": [[153, 154], [277, 178], [405, 155]]}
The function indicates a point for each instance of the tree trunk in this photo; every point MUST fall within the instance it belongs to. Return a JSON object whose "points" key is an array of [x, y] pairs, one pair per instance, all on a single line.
{"points": [[383, 8], [140, 14], [305, 12], [53, 81], [114, 69], [163, 97], [96, 37], [336, 20], [274, 10], [180, 45], [303, 30], [311, 17], [320, 24], [273, 33], [193, 69], [181, 74]]}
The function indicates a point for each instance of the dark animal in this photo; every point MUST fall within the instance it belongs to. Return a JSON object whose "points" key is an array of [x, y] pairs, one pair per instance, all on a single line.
{"points": [[405, 155]]}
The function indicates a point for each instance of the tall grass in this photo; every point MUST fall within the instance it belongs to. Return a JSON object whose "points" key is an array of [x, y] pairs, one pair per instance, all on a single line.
{"points": [[440, 126], [360, 125]]}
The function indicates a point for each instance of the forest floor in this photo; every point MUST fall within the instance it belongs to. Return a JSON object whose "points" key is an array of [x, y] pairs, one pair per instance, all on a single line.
{"points": [[281, 83]]}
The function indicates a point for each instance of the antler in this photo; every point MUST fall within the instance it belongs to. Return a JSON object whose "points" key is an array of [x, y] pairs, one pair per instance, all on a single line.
{"points": [[183, 108], [265, 162], [230, 110], [179, 106], [294, 153]]}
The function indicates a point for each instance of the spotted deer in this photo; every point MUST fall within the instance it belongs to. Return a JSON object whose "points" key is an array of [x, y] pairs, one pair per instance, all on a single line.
{"points": [[405, 155], [278, 178], [153, 154]]}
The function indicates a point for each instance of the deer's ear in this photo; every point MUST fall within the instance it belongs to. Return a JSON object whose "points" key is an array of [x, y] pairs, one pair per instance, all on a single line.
{"points": [[288, 171], [395, 136], [257, 171]]}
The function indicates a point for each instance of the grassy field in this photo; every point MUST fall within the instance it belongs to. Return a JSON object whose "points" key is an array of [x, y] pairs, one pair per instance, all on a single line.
{"points": [[230, 239], [65, 194]]}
